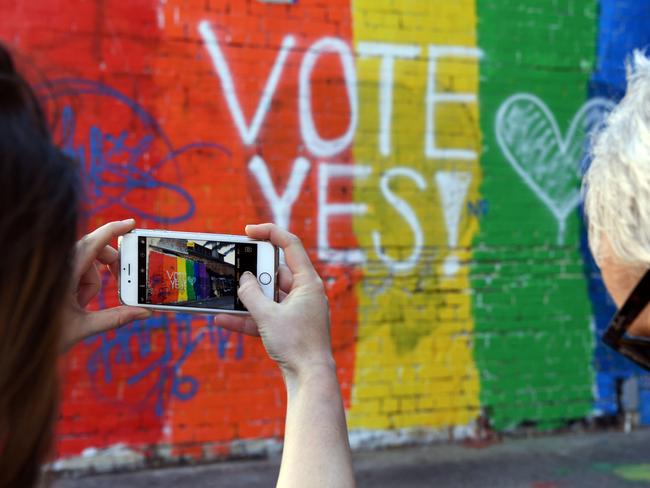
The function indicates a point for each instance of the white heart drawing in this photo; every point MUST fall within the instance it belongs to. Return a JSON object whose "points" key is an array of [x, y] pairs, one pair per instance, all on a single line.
{"points": [[530, 139]]}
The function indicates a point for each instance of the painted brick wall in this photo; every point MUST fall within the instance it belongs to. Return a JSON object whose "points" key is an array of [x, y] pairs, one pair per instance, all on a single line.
{"points": [[428, 154]]}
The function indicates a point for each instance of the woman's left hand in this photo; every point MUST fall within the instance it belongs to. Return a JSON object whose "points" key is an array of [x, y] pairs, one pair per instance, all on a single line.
{"points": [[92, 252]]}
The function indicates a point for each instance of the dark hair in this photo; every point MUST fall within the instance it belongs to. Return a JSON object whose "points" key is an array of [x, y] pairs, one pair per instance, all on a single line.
{"points": [[39, 192]]}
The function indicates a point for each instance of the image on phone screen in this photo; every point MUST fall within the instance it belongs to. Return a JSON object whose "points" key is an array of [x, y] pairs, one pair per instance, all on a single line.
{"points": [[193, 273]]}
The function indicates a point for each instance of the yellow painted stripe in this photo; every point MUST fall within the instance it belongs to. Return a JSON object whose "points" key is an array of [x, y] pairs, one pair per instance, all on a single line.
{"points": [[182, 279], [414, 364]]}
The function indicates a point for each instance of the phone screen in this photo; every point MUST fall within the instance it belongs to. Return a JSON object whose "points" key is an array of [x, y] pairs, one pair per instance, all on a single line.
{"points": [[193, 273]]}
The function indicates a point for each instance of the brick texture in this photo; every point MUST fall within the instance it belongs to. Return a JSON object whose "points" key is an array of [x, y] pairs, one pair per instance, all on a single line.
{"points": [[427, 153]]}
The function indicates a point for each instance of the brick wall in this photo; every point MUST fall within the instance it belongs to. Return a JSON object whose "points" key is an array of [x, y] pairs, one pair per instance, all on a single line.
{"points": [[427, 153]]}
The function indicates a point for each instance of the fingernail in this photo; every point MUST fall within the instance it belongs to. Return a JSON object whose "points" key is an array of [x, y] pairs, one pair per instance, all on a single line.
{"points": [[128, 221], [247, 276]]}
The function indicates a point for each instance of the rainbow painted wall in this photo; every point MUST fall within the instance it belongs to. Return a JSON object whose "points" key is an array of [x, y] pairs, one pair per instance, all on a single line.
{"points": [[428, 152], [173, 279]]}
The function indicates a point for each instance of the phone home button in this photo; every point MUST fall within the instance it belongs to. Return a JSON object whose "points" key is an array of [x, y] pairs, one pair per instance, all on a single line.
{"points": [[264, 278]]}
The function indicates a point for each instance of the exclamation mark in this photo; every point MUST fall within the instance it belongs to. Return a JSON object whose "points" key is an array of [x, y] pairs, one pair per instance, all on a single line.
{"points": [[452, 187]]}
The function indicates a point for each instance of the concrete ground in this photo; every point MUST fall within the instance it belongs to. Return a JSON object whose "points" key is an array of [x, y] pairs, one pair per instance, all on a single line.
{"points": [[605, 459]]}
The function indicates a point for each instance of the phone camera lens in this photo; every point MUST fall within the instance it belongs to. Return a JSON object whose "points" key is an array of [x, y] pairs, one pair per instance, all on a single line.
{"points": [[129, 281]]}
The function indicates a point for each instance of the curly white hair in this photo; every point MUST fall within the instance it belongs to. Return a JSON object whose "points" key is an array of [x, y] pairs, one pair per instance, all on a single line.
{"points": [[617, 183]]}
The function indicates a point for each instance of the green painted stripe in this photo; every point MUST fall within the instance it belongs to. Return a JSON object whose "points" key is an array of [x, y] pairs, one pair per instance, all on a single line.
{"points": [[533, 342]]}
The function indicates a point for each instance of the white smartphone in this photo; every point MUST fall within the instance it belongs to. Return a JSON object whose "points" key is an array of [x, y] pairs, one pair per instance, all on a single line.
{"points": [[192, 272]]}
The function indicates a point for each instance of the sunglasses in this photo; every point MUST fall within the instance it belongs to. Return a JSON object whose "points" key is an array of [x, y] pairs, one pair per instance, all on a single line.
{"points": [[636, 349]]}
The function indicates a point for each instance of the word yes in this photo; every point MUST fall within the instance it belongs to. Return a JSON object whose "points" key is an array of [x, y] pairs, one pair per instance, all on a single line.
{"points": [[177, 280]]}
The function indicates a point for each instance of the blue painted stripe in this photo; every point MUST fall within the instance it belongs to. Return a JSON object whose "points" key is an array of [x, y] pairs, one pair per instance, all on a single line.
{"points": [[623, 26]]}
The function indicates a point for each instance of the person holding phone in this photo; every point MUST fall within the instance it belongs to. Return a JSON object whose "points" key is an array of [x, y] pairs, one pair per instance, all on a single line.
{"points": [[49, 279], [171, 270]]}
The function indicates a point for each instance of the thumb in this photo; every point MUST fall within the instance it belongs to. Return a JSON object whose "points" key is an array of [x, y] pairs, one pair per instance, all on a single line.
{"points": [[251, 295], [112, 318]]}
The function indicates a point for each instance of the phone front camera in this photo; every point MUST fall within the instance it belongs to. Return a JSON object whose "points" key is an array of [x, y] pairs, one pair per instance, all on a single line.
{"points": [[129, 281]]}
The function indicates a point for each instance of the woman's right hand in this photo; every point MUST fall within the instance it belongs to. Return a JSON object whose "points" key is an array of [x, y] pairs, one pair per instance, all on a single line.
{"points": [[296, 335], [295, 331]]}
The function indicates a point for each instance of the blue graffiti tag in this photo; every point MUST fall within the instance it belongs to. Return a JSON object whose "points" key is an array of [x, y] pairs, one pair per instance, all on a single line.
{"points": [[112, 167], [165, 369], [479, 208]]}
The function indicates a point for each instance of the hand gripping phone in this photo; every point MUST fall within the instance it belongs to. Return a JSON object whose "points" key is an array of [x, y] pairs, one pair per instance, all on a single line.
{"points": [[192, 272]]}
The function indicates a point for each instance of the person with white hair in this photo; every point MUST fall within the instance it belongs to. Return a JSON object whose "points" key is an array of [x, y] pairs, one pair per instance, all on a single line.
{"points": [[617, 206]]}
